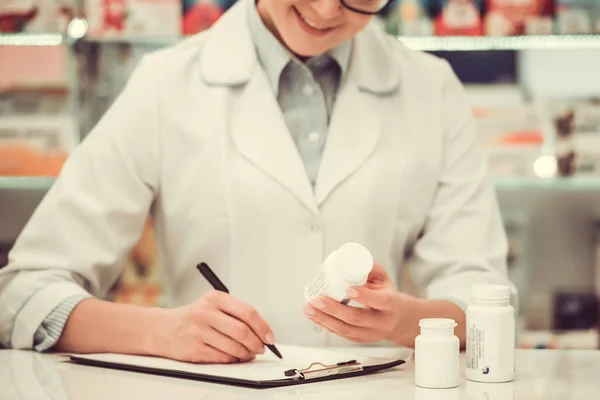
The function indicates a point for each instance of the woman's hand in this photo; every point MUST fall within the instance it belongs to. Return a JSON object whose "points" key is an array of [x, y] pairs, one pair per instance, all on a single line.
{"points": [[385, 315], [216, 328]]}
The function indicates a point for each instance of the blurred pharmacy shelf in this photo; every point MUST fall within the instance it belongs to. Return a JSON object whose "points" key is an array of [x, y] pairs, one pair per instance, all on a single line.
{"points": [[434, 43], [483, 43], [30, 39], [26, 182], [157, 41], [426, 43], [573, 184], [570, 184]]}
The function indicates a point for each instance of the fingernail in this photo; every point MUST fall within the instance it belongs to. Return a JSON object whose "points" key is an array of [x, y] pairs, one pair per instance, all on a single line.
{"points": [[270, 338], [308, 309], [352, 293], [316, 303], [262, 350]]}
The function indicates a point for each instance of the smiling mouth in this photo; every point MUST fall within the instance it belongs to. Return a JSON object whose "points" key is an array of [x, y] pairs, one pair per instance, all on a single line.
{"points": [[311, 23]]}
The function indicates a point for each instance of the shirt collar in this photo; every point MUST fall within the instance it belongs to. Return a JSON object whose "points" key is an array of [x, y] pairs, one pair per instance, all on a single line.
{"points": [[274, 57]]}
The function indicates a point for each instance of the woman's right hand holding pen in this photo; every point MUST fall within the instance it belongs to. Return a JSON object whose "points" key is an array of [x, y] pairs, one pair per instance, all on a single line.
{"points": [[216, 328]]}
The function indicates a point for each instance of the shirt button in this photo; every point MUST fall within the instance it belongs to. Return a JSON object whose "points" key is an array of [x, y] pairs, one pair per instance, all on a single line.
{"points": [[313, 137], [315, 227], [308, 89], [317, 329]]}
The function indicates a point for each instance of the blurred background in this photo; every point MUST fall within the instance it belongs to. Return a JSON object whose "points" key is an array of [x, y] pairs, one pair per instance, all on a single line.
{"points": [[530, 68]]}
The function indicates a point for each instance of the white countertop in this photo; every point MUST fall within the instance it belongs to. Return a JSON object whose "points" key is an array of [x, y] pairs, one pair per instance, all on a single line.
{"points": [[541, 375]]}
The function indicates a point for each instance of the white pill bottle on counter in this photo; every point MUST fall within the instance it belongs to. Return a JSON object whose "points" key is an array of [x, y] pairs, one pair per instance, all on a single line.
{"points": [[490, 348], [345, 267], [437, 352]]}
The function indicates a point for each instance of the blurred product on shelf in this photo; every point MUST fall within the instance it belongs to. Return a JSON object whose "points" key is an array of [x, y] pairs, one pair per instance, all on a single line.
{"points": [[20, 66], [35, 16], [575, 310], [152, 18], [37, 133], [519, 17], [133, 18], [458, 18], [511, 129], [577, 131], [439, 17], [578, 16], [199, 15], [492, 17], [35, 145], [407, 18], [140, 282], [574, 321]]}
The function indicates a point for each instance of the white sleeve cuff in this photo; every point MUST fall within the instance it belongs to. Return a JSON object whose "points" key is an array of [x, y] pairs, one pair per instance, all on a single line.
{"points": [[37, 308], [459, 303], [51, 329]]}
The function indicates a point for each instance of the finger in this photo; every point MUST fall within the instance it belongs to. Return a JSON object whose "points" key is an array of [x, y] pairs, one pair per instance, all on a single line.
{"points": [[238, 331], [243, 312], [377, 275], [338, 326], [208, 354], [226, 344], [351, 338], [379, 299], [351, 315]]}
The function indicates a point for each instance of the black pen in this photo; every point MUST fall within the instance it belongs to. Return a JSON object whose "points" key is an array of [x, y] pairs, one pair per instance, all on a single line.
{"points": [[216, 283]]}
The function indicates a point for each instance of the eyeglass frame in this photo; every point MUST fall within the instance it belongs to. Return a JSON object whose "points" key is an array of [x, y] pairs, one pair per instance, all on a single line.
{"points": [[343, 3]]}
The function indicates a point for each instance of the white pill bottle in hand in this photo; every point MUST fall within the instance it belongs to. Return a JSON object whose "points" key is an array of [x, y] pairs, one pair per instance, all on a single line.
{"points": [[345, 267], [490, 345]]}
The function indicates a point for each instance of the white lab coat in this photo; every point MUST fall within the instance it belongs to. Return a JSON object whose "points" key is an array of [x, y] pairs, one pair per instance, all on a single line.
{"points": [[198, 139]]}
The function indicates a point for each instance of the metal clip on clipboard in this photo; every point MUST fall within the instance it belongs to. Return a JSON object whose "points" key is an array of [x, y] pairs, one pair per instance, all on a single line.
{"points": [[317, 370]]}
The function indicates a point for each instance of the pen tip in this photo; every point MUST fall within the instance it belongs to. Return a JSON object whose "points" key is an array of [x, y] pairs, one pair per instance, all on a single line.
{"points": [[275, 351]]}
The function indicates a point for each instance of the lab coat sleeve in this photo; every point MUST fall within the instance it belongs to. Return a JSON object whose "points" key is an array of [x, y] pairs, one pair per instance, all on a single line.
{"points": [[90, 219], [463, 241]]}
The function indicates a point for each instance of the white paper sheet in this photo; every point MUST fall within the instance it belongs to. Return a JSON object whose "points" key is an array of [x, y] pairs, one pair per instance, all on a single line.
{"points": [[264, 367]]}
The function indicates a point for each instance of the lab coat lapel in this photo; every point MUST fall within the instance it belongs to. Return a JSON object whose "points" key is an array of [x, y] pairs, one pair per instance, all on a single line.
{"points": [[353, 133], [260, 134], [355, 125], [258, 129]]}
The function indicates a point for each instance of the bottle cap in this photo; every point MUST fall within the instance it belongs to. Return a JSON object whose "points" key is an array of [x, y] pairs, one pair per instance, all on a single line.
{"points": [[490, 292], [437, 323], [353, 261]]}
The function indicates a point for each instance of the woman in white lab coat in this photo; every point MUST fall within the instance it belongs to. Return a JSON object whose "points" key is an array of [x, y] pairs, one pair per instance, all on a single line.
{"points": [[205, 139]]}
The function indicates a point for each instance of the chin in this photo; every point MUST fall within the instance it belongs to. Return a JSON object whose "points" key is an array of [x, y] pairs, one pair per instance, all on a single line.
{"points": [[306, 49], [306, 53]]}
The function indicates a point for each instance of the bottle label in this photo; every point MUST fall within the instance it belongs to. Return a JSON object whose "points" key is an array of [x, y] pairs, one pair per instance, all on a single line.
{"points": [[490, 347], [319, 286], [475, 349], [316, 287]]}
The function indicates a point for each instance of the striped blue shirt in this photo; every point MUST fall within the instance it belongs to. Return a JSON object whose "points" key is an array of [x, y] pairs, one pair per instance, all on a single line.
{"points": [[306, 93]]}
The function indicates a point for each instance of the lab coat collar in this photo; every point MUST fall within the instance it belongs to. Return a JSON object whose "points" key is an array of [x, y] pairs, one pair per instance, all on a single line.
{"points": [[229, 57], [257, 123]]}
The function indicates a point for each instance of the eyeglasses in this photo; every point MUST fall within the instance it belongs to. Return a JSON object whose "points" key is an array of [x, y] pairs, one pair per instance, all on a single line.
{"points": [[367, 7]]}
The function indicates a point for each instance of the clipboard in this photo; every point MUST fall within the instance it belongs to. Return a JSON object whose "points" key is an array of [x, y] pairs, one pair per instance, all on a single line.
{"points": [[315, 372]]}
